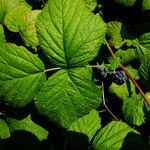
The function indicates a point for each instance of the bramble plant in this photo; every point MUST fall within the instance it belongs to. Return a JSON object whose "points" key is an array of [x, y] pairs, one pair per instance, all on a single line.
{"points": [[74, 74]]}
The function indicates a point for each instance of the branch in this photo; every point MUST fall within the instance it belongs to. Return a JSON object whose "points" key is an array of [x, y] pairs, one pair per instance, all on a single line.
{"points": [[128, 74]]}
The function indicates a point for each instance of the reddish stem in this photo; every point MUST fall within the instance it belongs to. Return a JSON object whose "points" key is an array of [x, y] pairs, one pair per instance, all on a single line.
{"points": [[128, 74], [135, 83]]}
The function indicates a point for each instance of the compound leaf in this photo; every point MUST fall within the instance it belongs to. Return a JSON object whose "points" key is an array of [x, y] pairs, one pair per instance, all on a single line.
{"points": [[67, 95], [111, 136], [88, 124], [69, 33], [21, 75], [27, 124]]}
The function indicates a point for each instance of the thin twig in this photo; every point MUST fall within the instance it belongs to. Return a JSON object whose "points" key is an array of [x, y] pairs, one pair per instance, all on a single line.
{"points": [[104, 103], [52, 69], [128, 74], [101, 111]]}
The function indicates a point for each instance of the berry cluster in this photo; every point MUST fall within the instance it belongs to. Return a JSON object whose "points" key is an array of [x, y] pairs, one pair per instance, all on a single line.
{"points": [[102, 72], [119, 77]]}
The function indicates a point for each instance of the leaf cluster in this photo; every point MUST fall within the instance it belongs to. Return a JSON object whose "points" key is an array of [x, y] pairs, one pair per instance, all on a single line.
{"points": [[50, 95]]}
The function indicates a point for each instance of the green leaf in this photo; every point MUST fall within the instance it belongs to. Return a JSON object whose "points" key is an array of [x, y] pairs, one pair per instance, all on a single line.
{"points": [[7, 5], [28, 30], [147, 94], [27, 125], [88, 124], [114, 63], [141, 52], [69, 33], [118, 34], [112, 136], [126, 56], [2, 36], [91, 4], [114, 32], [25, 24], [146, 5], [4, 129], [143, 49], [133, 110], [122, 91], [144, 40], [17, 13], [68, 95], [144, 72], [126, 2], [87, 72], [21, 75], [133, 72]]}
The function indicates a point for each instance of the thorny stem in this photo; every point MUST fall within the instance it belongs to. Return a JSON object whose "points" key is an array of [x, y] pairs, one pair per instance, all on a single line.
{"points": [[128, 74], [52, 69], [104, 103]]}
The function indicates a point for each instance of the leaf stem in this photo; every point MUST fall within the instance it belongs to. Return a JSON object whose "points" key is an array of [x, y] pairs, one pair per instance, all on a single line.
{"points": [[128, 74], [52, 69], [104, 103]]}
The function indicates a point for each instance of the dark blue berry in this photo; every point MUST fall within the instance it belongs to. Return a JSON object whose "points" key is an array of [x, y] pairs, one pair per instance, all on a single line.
{"points": [[102, 72], [119, 77]]}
